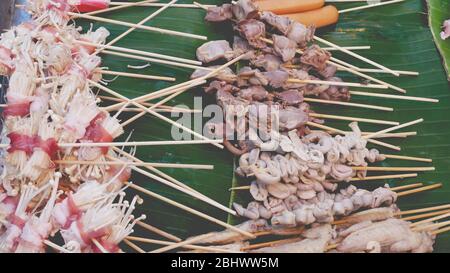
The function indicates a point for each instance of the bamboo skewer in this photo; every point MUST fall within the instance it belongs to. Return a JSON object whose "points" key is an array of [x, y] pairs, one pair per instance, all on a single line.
{"points": [[129, 5], [425, 215], [328, 128], [439, 231], [99, 246], [426, 188], [55, 246], [407, 187], [188, 209], [381, 177], [271, 243], [392, 169], [189, 246], [405, 212], [184, 243], [349, 84], [175, 88], [158, 231], [148, 28], [387, 135], [374, 121], [138, 52], [133, 246], [432, 219], [348, 48], [388, 96], [351, 104], [156, 165], [171, 179], [142, 22], [152, 112], [401, 72], [177, 187], [394, 128], [411, 158], [171, 108], [161, 5], [370, 6], [359, 57], [152, 60], [137, 76]]}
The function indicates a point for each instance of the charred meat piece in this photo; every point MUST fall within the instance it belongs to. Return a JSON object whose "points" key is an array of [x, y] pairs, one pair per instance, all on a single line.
{"points": [[284, 47], [328, 72], [252, 30], [316, 57], [214, 50], [281, 23], [292, 118], [219, 13], [215, 86], [337, 93], [249, 76]]}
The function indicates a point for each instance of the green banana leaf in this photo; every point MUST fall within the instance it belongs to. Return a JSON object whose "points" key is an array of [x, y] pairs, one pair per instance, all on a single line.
{"points": [[400, 39], [438, 12]]}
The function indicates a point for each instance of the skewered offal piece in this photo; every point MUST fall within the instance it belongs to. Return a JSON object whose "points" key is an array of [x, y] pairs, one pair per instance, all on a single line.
{"points": [[49, 101]]}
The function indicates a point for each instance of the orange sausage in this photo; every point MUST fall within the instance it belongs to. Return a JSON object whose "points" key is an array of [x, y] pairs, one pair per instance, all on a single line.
{"points": [[289, 6], [325, 16]]}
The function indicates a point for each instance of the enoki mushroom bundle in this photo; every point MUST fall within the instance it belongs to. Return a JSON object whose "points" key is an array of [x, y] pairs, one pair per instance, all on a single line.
{"points": [[49, 101]]}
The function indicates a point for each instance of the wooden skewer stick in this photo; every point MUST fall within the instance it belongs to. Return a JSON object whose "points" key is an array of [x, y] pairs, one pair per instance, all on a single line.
{"points": [[394, 128], [169, 108], [271, 243], [153, 60], [194, 247], [239, 188], [411, 158], [425, 215], [138, 52], [374, 121], [359, 57], [407, 187], [121, 23], [177, 187], [55, 246], [328, 128], [158, 231], [392, 169], [131, 4], [350, 84], [162, 4], [432, 219], [430, 187], [182, 243], [348, 48], [388, 135], [351, 104], [405, 212], [142, 22], [171, 179], [188, 209], [350, 70], [176, 124], [366, 70], [439, 231], [133, 246], [388, 96], [371, 6], [156, 165], [381, 177], [99, 246], [401, 72], [137, 76]]}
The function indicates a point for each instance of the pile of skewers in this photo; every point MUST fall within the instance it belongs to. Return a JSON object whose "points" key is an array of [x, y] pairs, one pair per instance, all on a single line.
{"points": [[64, 175]]}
